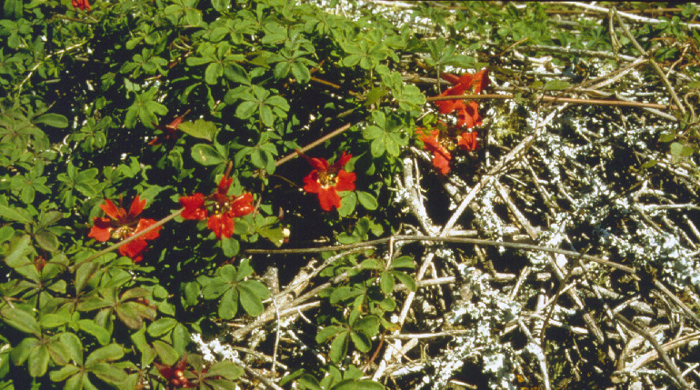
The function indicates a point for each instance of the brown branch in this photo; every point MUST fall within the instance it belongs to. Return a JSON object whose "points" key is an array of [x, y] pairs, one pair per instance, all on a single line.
{"points": [[456, 240], [596, 102], [313, 144]]}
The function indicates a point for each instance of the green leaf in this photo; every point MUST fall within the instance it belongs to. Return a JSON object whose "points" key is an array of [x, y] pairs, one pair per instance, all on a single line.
{"points": [[230, 246], [17, 254], [20, 353], [181, 338], [250, 300], [228, 370], [667, 137], [38, 361], [84, 273], [20, 320], [214, 71], [386, 282], [406, 279], [207, 155], [246, 109], [361, 341], [368, 326], [556, 85], [364, 384], [339, 347], [228, 305], [90, 327], [307, 381], [47, 240], [402, 262], [199, 129], [328, 332], [53, 120], [73, 346], [161, 326], [367, 200], [108, 373], [676, 148], [375, 95], [10, 213], [6, 232], [371, 264], [166, 352], [62, 374], [348, 201], [51, 320], [378, 146], [108, 353]]}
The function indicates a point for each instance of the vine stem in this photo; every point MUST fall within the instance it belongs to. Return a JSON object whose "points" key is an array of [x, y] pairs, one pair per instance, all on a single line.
{"points": [[313, 144], [128, 239], [447, 239], [596, 102]]}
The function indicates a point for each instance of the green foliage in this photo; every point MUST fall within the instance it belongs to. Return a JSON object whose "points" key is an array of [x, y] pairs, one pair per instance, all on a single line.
{"points": [[85, 98]]}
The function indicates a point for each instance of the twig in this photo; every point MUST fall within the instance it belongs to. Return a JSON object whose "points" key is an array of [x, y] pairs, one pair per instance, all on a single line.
{"points": [[636, 18], [456, 240], [313, 144], [653, 63], [545, 98], [673, 370]]}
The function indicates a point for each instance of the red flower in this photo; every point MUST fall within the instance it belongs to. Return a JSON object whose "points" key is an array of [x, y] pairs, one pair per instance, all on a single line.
{"points": [[175, 374], [81, 4], [169, 131], [121, 225], [441, 157], [326, 180], [466, 114], [219, 208], [467, 141]]}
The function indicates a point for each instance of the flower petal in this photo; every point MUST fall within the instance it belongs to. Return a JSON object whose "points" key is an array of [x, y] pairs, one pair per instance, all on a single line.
{"points": [[221, 224], [114, 212], [441, 161], [481, 80], [318, 163], [136, 207], [224, 185], [328, 198], [345, 181], [134, 250], [311, 183], [344, 158], [193, 207], [145, 223], [102, 230], [243, 205], [468, 141]]}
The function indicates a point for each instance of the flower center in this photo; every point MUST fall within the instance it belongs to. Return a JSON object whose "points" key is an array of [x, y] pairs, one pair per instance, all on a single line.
{"points": [[327, 178], [121, 232], [220, 204]]}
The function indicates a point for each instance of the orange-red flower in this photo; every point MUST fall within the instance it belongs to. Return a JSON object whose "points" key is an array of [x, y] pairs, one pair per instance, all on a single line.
{"points": [[441, 157], [175, 374], [81, 4], [327, 179], [218, 208], [121, 225], [467, 141], [169, 131], [467, 114]]}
